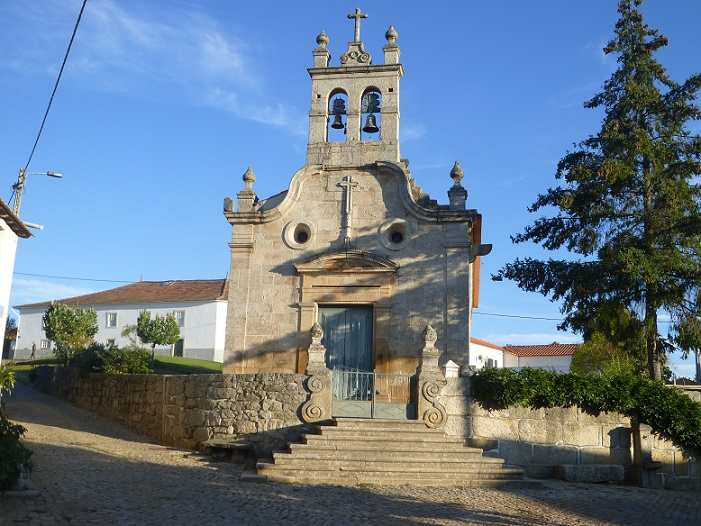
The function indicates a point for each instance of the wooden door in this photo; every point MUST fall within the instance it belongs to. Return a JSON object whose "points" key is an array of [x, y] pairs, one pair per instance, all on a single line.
{"points": [[347, 336]]}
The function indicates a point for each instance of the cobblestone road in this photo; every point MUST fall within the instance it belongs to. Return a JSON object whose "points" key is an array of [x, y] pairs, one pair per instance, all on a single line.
{"points": [[91, 470]]}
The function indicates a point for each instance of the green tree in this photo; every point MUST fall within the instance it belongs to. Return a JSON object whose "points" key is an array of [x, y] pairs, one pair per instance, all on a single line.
{"points": [[628, 207], [613, 343], [162, 330], [688, 338], [70, 328]]}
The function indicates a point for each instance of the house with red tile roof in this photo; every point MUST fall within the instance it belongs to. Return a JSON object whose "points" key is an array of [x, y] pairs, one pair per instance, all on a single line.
{"points": [[485, 354], [200, 306], [557, 356]]}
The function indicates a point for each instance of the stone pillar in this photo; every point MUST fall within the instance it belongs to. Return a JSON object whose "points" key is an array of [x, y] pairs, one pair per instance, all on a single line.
{"points": [[430, 383], [318, 407]]}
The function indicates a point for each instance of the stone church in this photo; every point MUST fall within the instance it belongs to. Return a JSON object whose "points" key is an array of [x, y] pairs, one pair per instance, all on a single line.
{"points": [[353, 244]]}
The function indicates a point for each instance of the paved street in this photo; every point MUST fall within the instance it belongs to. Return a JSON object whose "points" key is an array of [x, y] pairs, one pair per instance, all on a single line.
{"points": [[91, 470]]}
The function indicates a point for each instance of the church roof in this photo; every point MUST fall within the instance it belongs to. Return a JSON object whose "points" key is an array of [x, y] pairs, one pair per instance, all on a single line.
{"points": [[150, 292], [553, 349]]}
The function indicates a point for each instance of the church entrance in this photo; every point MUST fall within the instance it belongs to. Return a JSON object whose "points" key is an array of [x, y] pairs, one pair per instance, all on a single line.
{"points": [[359, 391], [347, 337]]}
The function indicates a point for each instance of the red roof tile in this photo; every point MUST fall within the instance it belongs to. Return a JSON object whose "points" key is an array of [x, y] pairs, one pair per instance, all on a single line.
{"points": [[553, 349], [150, 292], [486, 344]]}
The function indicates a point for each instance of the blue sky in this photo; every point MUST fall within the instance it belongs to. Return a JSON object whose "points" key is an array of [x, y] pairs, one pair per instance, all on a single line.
{"points": [[164, 104]]}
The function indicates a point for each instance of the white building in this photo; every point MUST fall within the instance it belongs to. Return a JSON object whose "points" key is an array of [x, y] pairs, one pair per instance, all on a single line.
{"points": [[11, 229], [555, 356], [200, 307], [485, 354]]}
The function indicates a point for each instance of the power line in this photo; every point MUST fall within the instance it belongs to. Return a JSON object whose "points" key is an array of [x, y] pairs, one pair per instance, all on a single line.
{"points": [[60, 73], [515, 316], [69, 277]]}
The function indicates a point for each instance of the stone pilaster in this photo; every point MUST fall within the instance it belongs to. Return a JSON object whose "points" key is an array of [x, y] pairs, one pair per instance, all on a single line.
{"points": [[318, 407], [430, 382]]}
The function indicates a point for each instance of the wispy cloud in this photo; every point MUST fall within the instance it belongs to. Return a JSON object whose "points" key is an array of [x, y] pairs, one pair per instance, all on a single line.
{"points": [[412, 131], [26, 291], [181, 54]]}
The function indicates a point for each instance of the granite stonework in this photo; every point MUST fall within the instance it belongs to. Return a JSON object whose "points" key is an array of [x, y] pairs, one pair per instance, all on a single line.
{"points": [[352, 229], [267, 410], [539, 440], [184, 411]]}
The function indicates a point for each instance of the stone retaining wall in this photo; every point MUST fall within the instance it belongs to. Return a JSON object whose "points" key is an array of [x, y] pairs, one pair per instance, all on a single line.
{"points": [[538, 440], [265, 409], [185, 410]]}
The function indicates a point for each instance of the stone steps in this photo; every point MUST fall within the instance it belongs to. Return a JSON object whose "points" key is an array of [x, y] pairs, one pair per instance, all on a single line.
{"points": [[379, 452], [388, 452]]}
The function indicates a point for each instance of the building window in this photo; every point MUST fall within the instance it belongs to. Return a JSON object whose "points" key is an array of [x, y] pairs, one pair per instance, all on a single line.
{"points": [[110, 342], [180, 317], [111, 319], [45, 344]]}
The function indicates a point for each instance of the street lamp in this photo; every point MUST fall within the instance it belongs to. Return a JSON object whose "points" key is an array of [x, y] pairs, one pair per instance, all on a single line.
{"points": [[19, 186]]}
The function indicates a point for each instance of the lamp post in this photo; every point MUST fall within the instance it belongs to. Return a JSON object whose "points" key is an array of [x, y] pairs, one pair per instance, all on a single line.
{"points": [[19, 186]]}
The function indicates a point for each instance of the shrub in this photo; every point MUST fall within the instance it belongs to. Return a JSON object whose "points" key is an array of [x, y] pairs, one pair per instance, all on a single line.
{"points": [[14, 456], [671, 414], [97, 358], [130, 360]]}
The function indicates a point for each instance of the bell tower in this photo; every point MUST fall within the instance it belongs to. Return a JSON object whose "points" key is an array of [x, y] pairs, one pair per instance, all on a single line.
{"points": [[354, 115]]}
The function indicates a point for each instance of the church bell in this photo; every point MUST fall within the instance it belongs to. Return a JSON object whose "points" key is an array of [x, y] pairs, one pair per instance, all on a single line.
{"points": [[370, 125], [337, 123]]}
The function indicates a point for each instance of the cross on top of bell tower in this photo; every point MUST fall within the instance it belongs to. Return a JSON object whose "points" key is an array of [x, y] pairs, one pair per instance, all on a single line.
{"points": [[357, 15]]}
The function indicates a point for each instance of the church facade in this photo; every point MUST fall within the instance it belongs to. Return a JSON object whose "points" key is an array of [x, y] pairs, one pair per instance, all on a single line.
{"points": [[353, 244]]}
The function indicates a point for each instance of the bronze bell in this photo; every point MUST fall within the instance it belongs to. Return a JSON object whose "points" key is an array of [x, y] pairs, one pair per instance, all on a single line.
{"points": [[370, 125], [337, 123]]}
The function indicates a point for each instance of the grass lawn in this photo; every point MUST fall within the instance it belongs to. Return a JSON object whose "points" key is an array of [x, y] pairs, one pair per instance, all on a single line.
{"points": [[179, 365], [162, 365]]}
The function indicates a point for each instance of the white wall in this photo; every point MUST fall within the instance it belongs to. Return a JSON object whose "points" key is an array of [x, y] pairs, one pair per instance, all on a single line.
{"points": [[558, 363], [8, 249], [203, 332], [487, 353]]}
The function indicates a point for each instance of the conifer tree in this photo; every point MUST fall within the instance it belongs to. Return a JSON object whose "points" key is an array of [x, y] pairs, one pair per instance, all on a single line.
{"points": [[627, 207]]}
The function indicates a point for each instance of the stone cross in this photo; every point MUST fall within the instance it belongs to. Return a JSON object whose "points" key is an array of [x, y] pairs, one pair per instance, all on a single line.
{"points": [[358, 15], [348, 183]]}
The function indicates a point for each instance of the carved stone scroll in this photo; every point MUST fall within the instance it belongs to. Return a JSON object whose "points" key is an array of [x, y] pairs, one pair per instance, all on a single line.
{"points": [[431, 382], [318, 407]]}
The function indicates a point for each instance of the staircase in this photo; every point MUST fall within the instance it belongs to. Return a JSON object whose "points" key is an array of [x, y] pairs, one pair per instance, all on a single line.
{"points": [[388, 452]]}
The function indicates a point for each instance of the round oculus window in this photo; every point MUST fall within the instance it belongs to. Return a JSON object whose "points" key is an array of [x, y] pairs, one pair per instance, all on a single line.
{"points": [[297, 235]]}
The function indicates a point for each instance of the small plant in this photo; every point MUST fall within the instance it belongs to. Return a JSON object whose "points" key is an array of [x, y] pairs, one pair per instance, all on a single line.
{"points": [[15, 457], [7, 379]]}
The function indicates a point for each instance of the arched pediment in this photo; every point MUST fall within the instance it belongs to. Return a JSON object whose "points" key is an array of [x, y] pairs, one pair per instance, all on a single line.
{"points": [[346, 261]]}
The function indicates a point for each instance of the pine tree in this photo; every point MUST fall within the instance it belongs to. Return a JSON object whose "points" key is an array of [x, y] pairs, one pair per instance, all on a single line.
{"points": [[628, 208]]}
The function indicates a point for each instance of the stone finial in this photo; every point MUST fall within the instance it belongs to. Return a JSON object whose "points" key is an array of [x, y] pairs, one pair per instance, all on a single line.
{"points": [[228, 204], [457, 174], [247, 197], [317, 333], [457, 194], [249, 178], [322, 40], [391, 35], [429, 336]]}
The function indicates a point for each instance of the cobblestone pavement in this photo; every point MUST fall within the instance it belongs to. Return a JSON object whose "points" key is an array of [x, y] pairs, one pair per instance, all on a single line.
{"points": [[91, 470]]}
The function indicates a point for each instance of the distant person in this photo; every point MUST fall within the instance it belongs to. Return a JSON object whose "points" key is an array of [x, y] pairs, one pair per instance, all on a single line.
{"points": [[34, 351]]}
